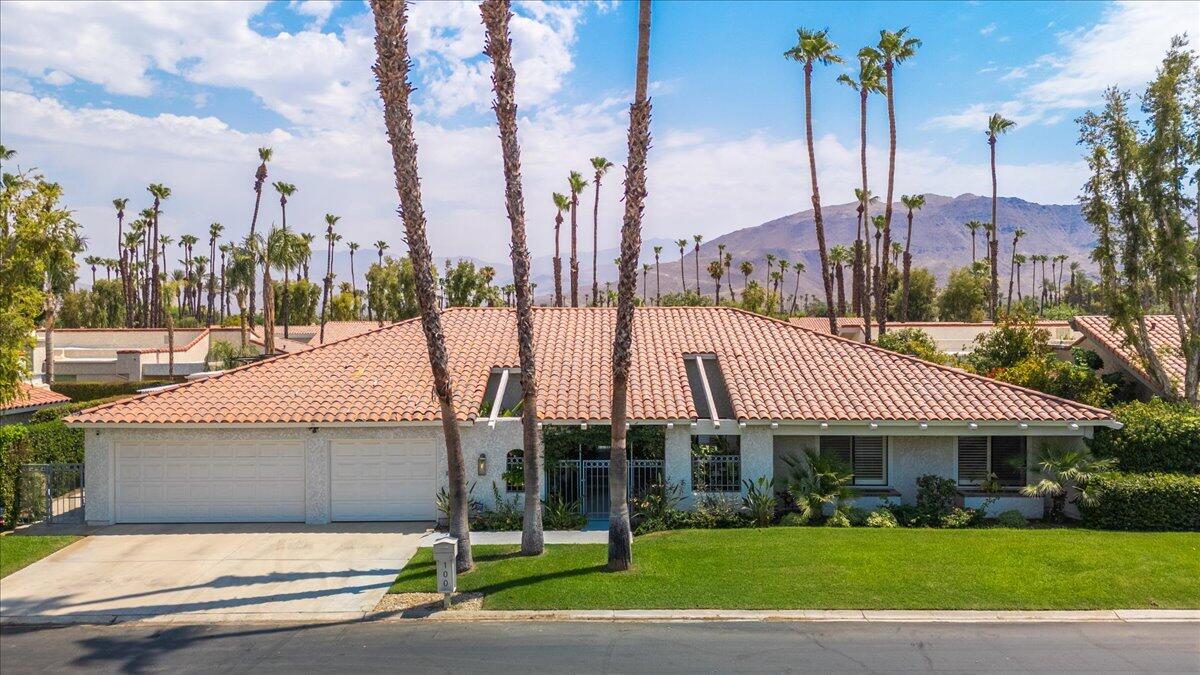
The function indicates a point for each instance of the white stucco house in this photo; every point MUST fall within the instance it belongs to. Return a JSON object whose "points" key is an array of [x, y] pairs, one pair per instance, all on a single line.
{"points": [[350, 430]]}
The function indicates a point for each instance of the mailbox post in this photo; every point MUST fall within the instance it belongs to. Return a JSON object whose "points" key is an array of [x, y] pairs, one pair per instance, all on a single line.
{"points": [[445, 551]]}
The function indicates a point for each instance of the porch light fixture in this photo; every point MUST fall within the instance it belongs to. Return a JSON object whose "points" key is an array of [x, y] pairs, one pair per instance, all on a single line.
{"points": [[774, 425], [741, 425], [670, 425], [583, 425], [874, 425], [824, 425], [482, 468]]}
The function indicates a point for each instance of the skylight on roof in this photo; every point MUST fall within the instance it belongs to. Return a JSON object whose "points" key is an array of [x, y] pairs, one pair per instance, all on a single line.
{"points": [[709, 393], [503, 396]]}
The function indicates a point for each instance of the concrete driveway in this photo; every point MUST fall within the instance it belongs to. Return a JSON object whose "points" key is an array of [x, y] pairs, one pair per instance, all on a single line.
{"points": [[226, 572]]}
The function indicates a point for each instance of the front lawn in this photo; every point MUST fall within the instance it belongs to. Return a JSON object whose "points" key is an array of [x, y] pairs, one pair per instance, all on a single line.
{"points": [[17, 550], [826, 568]]}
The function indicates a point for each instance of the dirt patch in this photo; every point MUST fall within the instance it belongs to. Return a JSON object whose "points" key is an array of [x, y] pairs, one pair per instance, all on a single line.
{"points": [[422, 604]]}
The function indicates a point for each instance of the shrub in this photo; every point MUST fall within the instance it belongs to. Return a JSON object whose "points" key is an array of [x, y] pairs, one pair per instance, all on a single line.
{"points": [[715, 512], [857, 515], [881, 518], [90, 391], [760, 502], [14, 451], [1158, 436], [912, 341], [505, 515], [960, 518], [226, 354], [58, 412], [838, 519], [793, 519], [935, 498], [1064, 470], [817, 481], [1156, 501], [53, 442], [658, 509], [1012, 518], [1047, 373], [560, 514], [42, 443]]}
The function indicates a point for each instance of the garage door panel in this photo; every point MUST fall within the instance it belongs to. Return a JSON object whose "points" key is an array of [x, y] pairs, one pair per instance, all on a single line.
{"points": [[383, 480], [219, 482]]}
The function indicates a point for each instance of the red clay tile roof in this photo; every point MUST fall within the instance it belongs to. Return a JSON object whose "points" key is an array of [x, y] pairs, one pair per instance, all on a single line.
{"points": [[821, 324], [340, 330], [774, 371], [30, 396], [1164, 337]]}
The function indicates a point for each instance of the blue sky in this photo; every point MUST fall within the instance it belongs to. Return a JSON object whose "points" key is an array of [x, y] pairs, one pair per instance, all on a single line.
{"points": [[182, 93]]}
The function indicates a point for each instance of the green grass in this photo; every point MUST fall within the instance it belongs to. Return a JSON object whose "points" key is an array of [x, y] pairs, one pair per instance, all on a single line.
{"points": [[17, 551], [823, 568]]}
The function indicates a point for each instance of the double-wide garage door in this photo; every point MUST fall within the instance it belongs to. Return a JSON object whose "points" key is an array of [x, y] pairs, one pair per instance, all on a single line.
{"points": [[264, 481]]}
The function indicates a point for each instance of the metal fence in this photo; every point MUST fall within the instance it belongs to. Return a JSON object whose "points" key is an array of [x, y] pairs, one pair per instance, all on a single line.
{"points": [[53, 493], [586, 482], [717, 473]]}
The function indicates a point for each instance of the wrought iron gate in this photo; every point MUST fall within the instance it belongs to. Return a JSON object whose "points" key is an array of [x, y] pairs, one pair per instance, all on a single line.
{"points": [[53, 493], [585, 481]]}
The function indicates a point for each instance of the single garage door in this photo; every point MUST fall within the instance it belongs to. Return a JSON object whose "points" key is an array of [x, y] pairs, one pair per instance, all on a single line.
{"points": [[218, 482], [383, 480]]}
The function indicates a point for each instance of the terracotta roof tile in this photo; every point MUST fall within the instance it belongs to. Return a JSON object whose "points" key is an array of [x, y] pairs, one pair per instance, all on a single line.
{"points": [[774, 371], [30, 396], [1164, 338], [821, 324]]}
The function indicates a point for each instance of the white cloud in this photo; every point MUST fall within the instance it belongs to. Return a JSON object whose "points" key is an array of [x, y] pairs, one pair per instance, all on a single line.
{"points": [[1122, 49], [1017, 73], [988, 29], [57, 78], [319, 10]]}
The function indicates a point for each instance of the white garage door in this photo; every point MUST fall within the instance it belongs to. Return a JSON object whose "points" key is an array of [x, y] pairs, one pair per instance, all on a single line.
{"points": [[383, 480], [218, 482]]}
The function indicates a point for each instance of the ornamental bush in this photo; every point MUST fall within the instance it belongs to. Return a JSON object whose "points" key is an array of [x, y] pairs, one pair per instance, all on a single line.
{"points": [[913, 342], [1155, 501], [1012, 518], [1158, 436], [90, 391], [881, 518], [14, 451], [838, 519]]}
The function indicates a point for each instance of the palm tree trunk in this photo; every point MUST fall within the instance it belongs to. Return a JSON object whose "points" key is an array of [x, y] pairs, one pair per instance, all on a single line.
{"points": [[993, 246], [48, 366], [697, 261], [818, 222], [169, 320], [260, 176], [881, 299], [841, 291], [574, 249], [391, 70], [596, 241], [620, 536], [558, 284], [657, 281], [682, 276], [864, 217], [907, 268], [1012, 267], [496, 14]]}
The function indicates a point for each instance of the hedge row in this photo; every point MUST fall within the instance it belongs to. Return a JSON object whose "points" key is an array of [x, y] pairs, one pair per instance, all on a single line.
{"points": [[90, 391], [41, 443], [1154, 501], [1157, 437], [57, 412]]}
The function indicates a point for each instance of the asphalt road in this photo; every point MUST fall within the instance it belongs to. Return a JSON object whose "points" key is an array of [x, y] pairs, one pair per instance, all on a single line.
{"points": [[606, 647]]}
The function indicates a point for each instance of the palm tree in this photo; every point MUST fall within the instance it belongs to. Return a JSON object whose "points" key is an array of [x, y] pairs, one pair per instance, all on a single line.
{"points": [[224, 303], [160, 193], [879, 222], [682, 244], [801, 268], [391, 70], [862, 301], [126, 288], [838, 256], [1061, 259], [187, 242], [715, 271], [600, 166], [783, 267], [214, 232], [575, 183], [973, 226], [496, 14], [893, 48], [727, 261], [645, 275], [240, 279], [620, 536], [912, 203], [1017, 234], [562, 203], [746, 268], [1065, 470], [697, 238], [657, 276], [870, 81], [92, 261], [813, 47], [767, 274], [260, 177], [1018, 260], [997, 125], [330, 238]]}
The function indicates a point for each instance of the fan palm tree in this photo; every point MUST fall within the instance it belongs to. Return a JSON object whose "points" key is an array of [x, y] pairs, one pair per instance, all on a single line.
{"points": [[260, 177], [879, 222], [816, 47], [240, 280], [715, 271], [838, 256], [746, 268], [496, 14], [214, 233], [783, 268], [93, 261], [801, 268], [1012, 271], [160, 193], [727, 261], [870, 81], [862, 299], [912, 203], [973, 226], [187, 242], [575, 184], [1061, 259], [697, 238], [1018, 260], [224, 295], [600, 166], [327, 287], [997, 126], [391, 70], [770, 267], [894, 47], [620, 535], [682, 244], [562, 204], [123, 263], [1065, 470], [657, 276], [645, 281]]}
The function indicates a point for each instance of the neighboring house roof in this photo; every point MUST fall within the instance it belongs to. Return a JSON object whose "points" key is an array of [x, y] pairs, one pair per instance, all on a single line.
{"points": [[773, 371], [821, 323], [1164, 339], [340, 330], [32, 396]]}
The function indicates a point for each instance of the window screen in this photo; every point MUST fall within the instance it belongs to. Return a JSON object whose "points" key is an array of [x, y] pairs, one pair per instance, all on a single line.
{"points": [[982, 456], [972, 459]]}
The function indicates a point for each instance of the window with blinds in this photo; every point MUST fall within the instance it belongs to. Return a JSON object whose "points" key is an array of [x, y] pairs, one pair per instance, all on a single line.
{"points": [[982, 456], [865, 456]]}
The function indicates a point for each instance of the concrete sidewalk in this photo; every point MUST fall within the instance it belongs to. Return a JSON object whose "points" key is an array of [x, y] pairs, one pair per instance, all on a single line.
{"points": [[834, 615]]}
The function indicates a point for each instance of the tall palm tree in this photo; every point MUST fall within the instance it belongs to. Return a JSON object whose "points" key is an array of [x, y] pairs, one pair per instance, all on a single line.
{"points": [[562, 203], [126, 288], [391, 70], [746, 268], [330, 238], [620, 536], [657, 276], [816, 47], [1018, 260], [93, 261], [645, 279], [224, 292], [1017, 234], [727, 261], [132, 244], [160, 193], [912, 203], [187, 242], [697, 238], [352, 247], [1061, 259], [600, 166], [879, 222], [973, 226], [870, 81], [715, 271], [862, 295], [997, 125], [838, 256], [575, 183], [260, 177], [682, 244], [893, 48], [214, 233], [770, 267], [496, 15], [801, 268]]}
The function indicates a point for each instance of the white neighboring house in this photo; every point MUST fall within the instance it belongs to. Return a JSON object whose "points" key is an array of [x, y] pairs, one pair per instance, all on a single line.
{"points": [[952, 337], [350, 430]]}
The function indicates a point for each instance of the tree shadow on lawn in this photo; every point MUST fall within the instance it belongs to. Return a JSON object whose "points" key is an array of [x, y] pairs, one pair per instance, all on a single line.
{"points": [[427, 568]]}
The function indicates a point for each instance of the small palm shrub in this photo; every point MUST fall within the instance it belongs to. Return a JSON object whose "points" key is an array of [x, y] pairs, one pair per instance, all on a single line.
{"points": [[1062, 469], [760, 502], [881, 518], [1012, 518], [817, 481], [793, 519], [560, 514], [838, 519]]}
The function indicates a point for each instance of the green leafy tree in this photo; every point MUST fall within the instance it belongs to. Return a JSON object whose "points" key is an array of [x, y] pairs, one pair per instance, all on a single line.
{"points": [[301, 297], [1047, 373], [912, 341], [468, 286], [393, 291], [922, 296], [1015, 338], [965, 296]]}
